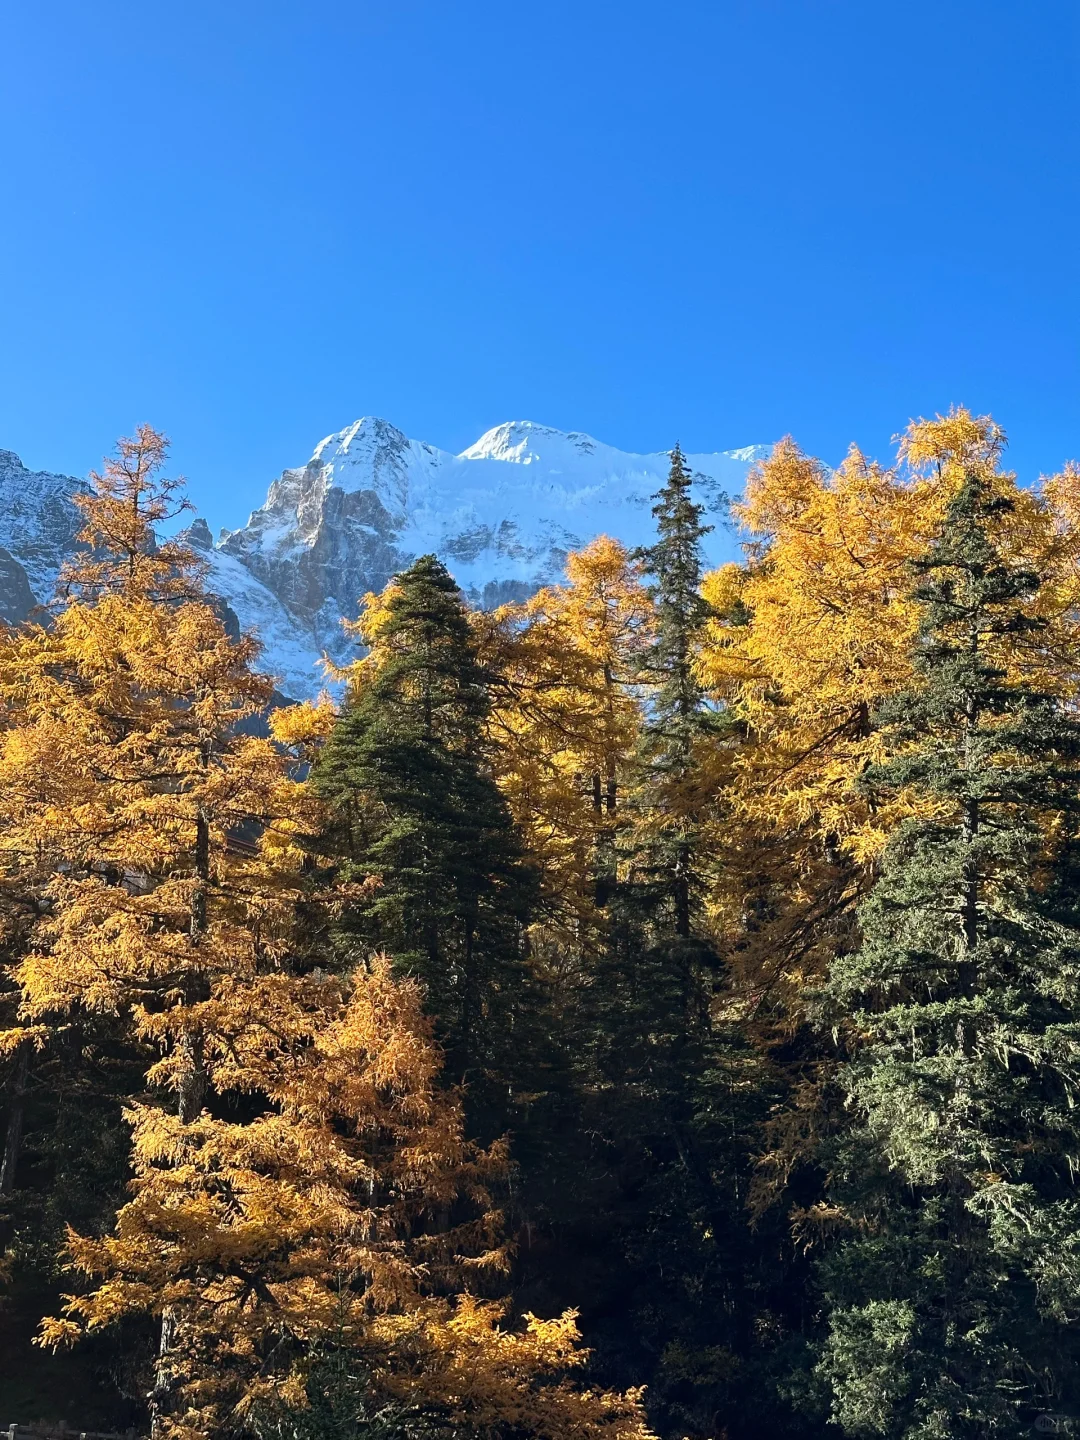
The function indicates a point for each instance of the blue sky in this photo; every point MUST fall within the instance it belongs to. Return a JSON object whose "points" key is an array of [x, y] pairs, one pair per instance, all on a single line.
{"points": [[251, 222]]}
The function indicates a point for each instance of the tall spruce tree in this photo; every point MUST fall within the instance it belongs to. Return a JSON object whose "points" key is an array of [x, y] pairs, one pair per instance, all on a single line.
{"points": [[652, 999], [669, 800], [954, 1297], [670, 1093], [420, 812], [654, 1030]]}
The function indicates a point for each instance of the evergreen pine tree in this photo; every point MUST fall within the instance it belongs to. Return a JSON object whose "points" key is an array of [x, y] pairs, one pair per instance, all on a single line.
{"points": [[953, 1296], [670, 1093], [653, 1024], [419, 810], [669, 802]]}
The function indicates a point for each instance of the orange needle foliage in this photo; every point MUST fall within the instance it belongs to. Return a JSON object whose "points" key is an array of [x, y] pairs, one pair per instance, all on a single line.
{"points": [[124, 773], [566, 719], [814, 631], [350, 1214]]}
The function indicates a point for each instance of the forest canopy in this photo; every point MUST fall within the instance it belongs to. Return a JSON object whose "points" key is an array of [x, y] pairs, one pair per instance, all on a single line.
{"points": [[650, 1008]]}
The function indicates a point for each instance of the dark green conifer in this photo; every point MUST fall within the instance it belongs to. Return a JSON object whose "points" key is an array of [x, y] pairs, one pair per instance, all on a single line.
{"points": [[654, 1023], [671, 1093], [677, 714], [954, 1297], [405, 771], [653, 1032]]}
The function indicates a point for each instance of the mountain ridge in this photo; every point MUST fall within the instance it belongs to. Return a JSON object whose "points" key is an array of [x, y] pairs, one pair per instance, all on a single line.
{"points": [[502, 514]]}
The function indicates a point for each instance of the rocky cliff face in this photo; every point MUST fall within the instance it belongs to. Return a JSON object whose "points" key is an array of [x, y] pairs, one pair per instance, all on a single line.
{"points": [[17, 600], [503, 515], [38, 525], [333, 529]]}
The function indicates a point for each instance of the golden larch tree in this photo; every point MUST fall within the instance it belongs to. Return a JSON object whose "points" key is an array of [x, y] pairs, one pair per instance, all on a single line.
{"points": [[566, 718], [163, 831], [349, 1217], [812, 633]]}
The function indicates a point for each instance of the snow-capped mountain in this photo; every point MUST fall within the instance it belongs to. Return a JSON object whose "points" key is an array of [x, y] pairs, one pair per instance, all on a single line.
{"points": [[503, 515]]}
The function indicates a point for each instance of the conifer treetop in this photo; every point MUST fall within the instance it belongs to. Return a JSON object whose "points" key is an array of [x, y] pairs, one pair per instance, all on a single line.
{"points": [[126, 503]]}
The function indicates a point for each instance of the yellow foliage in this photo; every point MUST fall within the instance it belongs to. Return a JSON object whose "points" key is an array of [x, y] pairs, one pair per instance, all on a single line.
{"points": [[163, 838], [351, 1212], [122, 510], [368, 629], [565, 716], [814, 631], [303, 725], [483, 1376], [821, 630]]}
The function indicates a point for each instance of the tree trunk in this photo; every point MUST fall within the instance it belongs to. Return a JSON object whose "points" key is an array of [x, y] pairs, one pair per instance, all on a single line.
{"points": [[16, 1112], [604, 849], [160, 1394], [202, 876], [612, 798], [192, 1087]]}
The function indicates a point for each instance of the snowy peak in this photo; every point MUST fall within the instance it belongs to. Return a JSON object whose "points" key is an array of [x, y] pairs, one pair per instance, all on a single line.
{"points": [[372, 453], [526, 443], [367, 437]]}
